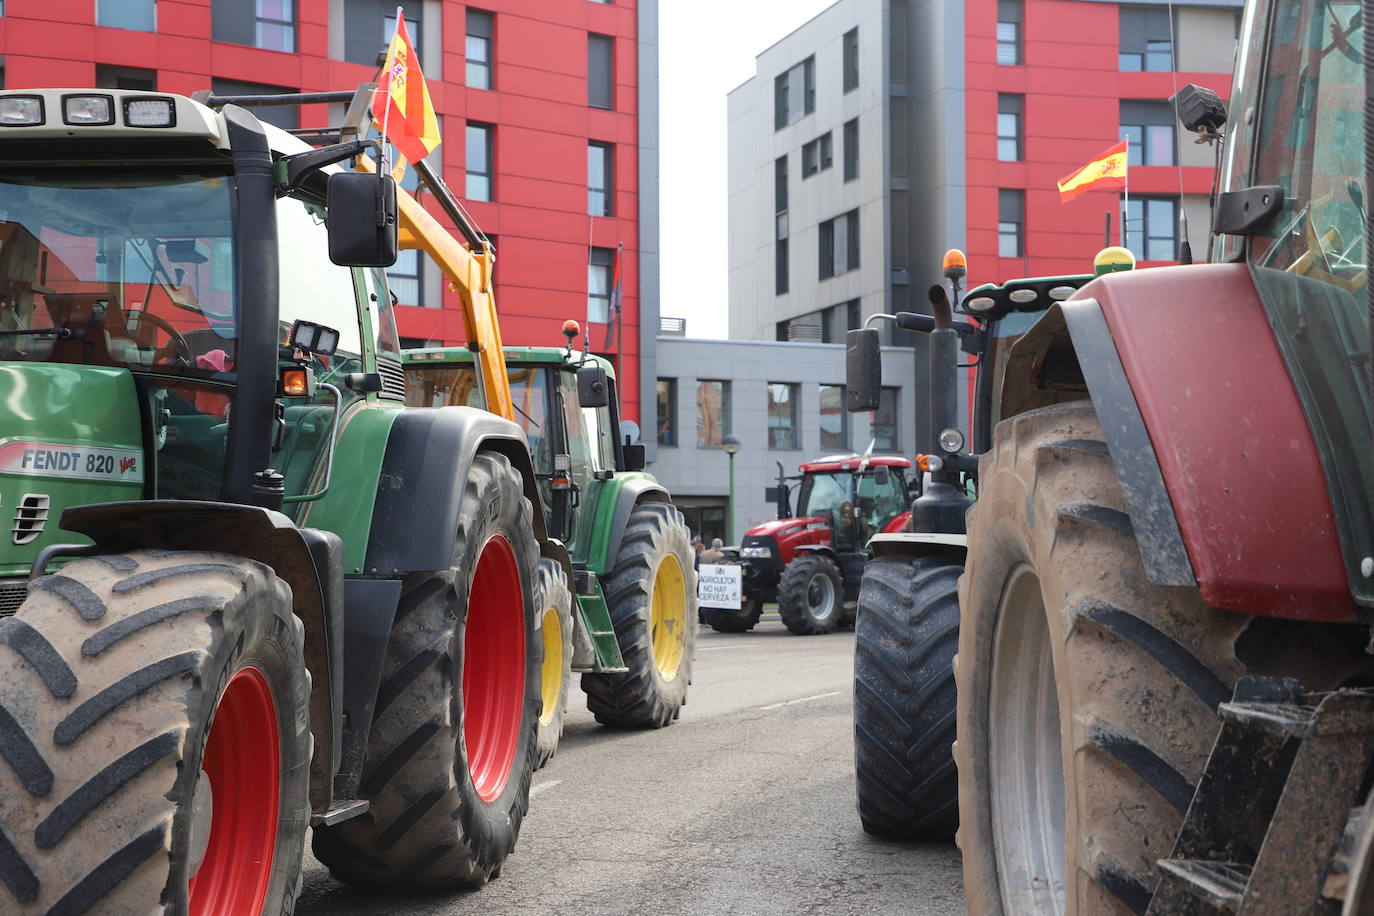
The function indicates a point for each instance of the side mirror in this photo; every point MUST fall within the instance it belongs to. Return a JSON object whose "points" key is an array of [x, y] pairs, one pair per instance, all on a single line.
{"points": [[592, 388], [634, 456], [863, 369], [362, 219]]}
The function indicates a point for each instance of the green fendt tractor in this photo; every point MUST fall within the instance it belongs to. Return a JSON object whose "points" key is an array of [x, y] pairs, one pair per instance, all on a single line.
{"points": [[247, 590], [633, 585]]}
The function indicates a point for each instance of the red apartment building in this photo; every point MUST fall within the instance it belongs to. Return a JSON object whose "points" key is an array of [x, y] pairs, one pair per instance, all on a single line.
{"points": [[539, 102], [1052, 83]]}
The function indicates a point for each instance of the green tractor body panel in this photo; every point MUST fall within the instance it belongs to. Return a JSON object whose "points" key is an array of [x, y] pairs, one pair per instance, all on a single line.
{"points": [[346, 508], [601, 508], [75, 440]]}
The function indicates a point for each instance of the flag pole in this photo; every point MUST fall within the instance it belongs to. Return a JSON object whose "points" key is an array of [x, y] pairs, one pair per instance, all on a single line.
{"points": [[386, 107], [1126, 208]]}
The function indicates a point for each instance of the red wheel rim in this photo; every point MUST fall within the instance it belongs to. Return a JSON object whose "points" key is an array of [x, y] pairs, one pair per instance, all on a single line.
{"points": [[493, 669], [242, 761]]}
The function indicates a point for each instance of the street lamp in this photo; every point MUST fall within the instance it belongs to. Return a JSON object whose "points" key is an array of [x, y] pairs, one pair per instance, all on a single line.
{"points": [[730, 445]]}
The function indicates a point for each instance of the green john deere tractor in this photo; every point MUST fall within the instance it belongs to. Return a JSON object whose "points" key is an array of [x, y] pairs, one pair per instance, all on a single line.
{"points": [[247, 590], [633, 585]]}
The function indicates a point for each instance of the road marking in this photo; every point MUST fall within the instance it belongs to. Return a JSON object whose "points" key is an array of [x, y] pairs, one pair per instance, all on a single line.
{"points": [[721, 648], [819, 696], [535, 790]]}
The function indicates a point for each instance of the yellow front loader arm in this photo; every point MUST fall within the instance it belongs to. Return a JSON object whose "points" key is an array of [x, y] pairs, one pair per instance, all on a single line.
{"points": [[469, 275]]}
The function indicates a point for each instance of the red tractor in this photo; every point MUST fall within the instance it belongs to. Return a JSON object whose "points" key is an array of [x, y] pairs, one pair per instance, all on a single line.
{"points": [[811, 563]]}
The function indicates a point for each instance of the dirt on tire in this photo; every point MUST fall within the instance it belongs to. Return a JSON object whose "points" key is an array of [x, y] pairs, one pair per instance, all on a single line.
{"points": [[427, 826], [647, 696], [1139, 669], [110, 677], [904, 699]]}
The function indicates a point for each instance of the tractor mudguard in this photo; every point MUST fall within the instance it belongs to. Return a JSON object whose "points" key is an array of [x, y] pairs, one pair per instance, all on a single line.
{"points": [[1217, 462], [824, 550], [428, 453], [952, 547], [633, 489], [308, 560]]}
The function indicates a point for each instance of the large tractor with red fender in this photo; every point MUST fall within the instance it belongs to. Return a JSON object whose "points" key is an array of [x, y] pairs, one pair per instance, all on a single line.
{"points": [[811, 562], [1163, 670]]}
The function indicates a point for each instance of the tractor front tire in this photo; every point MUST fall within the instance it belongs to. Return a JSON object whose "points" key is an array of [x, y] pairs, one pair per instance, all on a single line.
{"points": [[153, 723], [904, 701], [1087, 696], [811, 595], [452, 746], [734, 620], [554, 600], [652, 596]]}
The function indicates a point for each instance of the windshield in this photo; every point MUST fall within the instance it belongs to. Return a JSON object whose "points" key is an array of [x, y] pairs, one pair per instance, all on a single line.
{"points": [[118, 269], [1309, 265], [449, 385]]}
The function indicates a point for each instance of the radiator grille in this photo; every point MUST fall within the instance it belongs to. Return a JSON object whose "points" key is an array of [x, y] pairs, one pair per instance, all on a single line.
{"points": [[12, 593], [393, 378], [31, 518]]}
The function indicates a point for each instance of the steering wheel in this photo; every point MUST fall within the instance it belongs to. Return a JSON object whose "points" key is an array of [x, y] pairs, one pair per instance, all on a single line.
{"points": [[176, 349]]}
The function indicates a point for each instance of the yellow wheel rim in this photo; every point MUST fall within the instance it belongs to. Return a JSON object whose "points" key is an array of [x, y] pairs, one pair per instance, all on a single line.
{"points": [[551, 676], [668, 616]]}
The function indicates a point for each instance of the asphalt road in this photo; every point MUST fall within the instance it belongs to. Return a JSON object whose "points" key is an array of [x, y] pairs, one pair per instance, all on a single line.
{"points": [[745, 805]]}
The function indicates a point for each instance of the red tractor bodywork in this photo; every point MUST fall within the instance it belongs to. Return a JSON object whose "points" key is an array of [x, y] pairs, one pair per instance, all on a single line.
{"points": [[1231, 439]]}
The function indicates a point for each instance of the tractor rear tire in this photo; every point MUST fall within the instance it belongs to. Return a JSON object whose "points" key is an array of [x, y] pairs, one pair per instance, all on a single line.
{"points": [[153, 723], [1086, 696], [554, 600], [652, 596], [811, 595], [734, 620], [452, 746], [904, 699]]}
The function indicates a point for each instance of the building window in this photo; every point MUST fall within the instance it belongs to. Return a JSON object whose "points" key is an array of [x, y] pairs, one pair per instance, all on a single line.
{"points": [[368, 26], [479, 154], [107, 77], [713, 412], [1152, 228], [885, 421], [269, 24], [1008, 32], [136, 15], [1009, 127], [851, 150], [666, 397], [1145, 41], [599, 267], [478, 49], [287, 117], [780, 226], [851, 59], [600, 72], [404, 278], [782, 415], [817, 156], [1011, 206], [794, 94], [834, 420], [1148, 129], [839, 245], [599, 164]]}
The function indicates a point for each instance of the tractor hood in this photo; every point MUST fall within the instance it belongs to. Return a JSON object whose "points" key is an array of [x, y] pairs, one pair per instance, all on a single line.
{"points": [[779, 528]]}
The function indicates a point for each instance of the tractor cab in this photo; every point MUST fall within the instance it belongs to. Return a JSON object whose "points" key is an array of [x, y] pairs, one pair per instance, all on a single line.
{"points": [[856, 497]]}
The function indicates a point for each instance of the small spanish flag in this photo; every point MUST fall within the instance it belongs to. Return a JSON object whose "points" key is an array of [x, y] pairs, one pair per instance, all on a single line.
{"points": [[408, 120], [1106, 170]]}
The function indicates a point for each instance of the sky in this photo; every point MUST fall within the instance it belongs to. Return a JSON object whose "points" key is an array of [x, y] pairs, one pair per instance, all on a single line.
{"points": [[706, 48]]}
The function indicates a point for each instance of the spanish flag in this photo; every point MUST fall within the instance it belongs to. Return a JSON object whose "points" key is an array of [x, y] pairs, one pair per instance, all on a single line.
{"points": [[408, 120], [1107, 170]]}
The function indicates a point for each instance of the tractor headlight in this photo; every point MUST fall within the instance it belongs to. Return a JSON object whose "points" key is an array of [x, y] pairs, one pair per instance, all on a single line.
{"points": [[951, 440], [89, 110], [21, 110], [149, 113], [756, 553]]}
